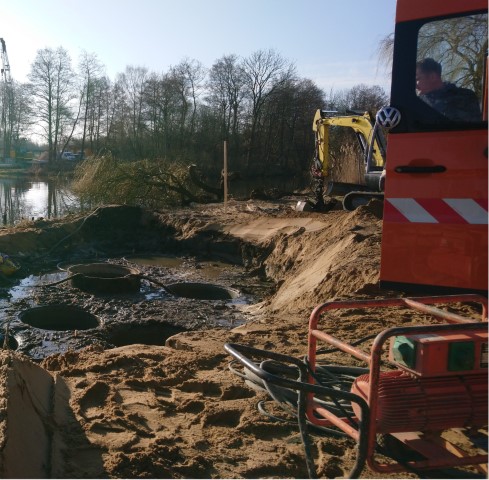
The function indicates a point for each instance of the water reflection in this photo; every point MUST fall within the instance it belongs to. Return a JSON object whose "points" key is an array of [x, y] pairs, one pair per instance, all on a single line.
{"points": [[22, 198], [27, 285]]}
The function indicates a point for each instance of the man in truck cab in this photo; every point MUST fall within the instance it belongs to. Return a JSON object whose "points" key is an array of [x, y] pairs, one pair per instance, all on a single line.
{"points": [[456, 103]]}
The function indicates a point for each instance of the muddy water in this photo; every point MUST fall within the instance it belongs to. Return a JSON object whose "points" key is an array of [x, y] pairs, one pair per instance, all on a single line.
{"points": [[211, 270], [148, 316], [155, 260], [26, 287]]}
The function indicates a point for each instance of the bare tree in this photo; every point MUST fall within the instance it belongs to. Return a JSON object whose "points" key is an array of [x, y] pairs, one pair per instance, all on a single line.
{"points": [[52, 90], [362, 98], [117, 113], [99, 113], [90, 69], [386, 52], [186, 81], [226, 93], [7, 101], [193, 74], [265, 71], [172, 107], [20, 115], [152, 97], [288, 116], [133, 82], [366, 98]]}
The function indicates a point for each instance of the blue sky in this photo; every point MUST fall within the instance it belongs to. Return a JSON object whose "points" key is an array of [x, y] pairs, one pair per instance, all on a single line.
{"points": [[333, 42]]}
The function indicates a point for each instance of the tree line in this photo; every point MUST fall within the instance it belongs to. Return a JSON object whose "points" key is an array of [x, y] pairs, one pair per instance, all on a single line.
{"points": [[258, 104]]}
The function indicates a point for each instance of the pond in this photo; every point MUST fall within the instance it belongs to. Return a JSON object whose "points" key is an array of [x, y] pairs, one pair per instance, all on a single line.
{"points": [[23, 198]]}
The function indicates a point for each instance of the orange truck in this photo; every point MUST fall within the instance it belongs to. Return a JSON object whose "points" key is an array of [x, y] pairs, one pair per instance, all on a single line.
{"points": [[435, 206]]}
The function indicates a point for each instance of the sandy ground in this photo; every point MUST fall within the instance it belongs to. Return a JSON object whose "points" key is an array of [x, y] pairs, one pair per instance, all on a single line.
{"points": [[178, 411]]}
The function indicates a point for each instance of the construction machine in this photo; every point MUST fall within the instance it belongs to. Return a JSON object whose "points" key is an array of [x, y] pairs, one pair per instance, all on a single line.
{"points": [[371, 142], [425, 381], [6, 100]]}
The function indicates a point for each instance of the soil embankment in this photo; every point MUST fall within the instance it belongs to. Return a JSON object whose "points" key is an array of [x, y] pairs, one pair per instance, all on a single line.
{"points": [[176, 410]]}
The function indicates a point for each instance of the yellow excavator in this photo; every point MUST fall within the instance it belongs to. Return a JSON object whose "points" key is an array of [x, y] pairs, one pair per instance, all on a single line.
{"points": [[373, 147]]}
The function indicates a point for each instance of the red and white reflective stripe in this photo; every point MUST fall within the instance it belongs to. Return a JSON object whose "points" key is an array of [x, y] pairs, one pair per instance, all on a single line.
{"points": [[436, 210]]}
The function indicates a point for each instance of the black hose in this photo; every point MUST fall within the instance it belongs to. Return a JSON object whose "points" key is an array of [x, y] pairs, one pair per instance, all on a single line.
{"points": [[313, 429], [162, 285], [287, 391], [306, 440], [51, 284], [346, 413], [261, 408]]}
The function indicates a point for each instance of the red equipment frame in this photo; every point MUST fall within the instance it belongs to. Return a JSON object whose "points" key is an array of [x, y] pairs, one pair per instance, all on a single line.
{"points": [[438, 453]]}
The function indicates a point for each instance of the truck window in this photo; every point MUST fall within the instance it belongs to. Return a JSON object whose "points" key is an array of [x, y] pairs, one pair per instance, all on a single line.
{"points": [[441, 76], [450, 67]]}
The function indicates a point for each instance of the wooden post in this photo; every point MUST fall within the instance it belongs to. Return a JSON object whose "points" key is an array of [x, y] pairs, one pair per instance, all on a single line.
{"points": [[225, 173]]}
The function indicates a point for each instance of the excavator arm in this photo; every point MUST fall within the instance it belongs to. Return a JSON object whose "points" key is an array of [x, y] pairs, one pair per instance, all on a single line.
{"points": [[363, 127], [372, 144]]}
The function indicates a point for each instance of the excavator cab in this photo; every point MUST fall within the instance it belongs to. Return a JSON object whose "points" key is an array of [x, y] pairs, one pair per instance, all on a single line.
{"points": [[435, 209]]}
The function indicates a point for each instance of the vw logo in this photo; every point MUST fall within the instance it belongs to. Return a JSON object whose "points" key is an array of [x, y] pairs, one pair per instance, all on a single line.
{"points": [[388, 117]]}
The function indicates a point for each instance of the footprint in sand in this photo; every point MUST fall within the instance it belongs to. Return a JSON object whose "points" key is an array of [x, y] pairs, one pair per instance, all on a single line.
{"points": [[209, 389], [94, 399], [235, 392], [223, 418]]}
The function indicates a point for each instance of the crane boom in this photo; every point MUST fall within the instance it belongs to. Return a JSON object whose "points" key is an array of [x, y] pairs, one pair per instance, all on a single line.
{"points": [[6, 91], [5, 63]]}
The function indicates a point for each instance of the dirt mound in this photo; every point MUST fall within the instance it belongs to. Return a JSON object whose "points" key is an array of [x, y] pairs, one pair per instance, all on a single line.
{"points": [[336, 261], [119, 226]]}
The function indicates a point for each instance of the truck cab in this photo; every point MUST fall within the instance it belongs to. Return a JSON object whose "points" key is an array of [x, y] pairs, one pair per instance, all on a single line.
{"points": [[435, 207]]}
